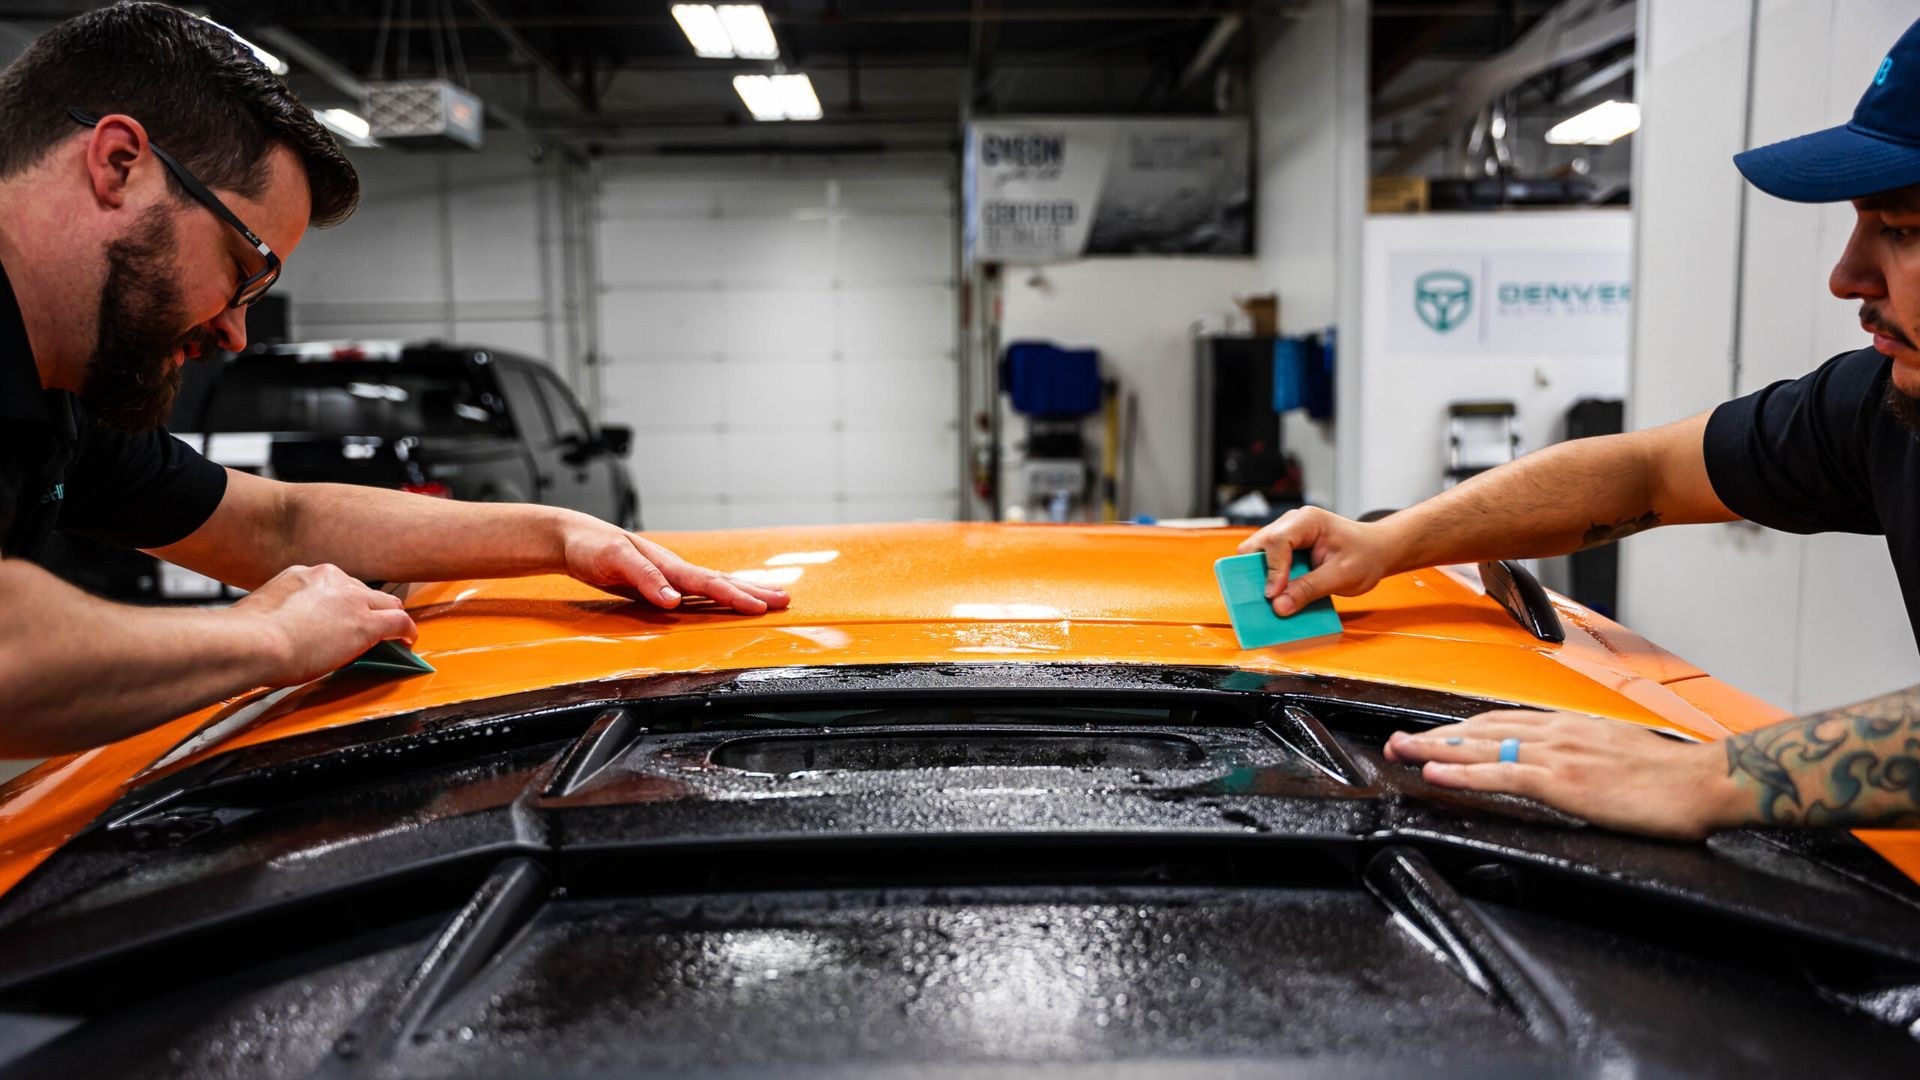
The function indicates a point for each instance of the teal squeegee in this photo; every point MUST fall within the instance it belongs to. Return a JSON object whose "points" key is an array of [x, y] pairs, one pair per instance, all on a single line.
{"points": [[1243, 585], [390, 657]]}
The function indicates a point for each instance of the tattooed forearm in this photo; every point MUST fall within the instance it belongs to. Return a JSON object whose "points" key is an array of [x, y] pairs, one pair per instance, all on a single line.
{"points": [[1602, 535], [1855, 766]]}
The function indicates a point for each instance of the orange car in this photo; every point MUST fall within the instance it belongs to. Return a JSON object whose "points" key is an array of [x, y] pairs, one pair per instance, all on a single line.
{"points": [[985, 796]]}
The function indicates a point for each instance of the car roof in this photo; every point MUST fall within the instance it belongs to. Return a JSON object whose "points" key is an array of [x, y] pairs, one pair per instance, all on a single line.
{"points": [[947, 593]]}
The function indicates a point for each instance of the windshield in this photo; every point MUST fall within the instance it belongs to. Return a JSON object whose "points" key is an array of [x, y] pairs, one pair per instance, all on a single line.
{"points": [[428, 396]]}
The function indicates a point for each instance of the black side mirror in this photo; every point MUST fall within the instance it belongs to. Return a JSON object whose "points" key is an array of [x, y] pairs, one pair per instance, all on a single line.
{"points": [[616, 439]]}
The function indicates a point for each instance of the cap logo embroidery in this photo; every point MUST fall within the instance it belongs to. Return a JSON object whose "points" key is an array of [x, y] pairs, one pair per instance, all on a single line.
{"points": [[1880, 77]]}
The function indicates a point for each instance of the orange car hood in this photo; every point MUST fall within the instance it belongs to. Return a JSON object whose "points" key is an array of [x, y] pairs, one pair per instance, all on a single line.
{"points": [[928, 593]]}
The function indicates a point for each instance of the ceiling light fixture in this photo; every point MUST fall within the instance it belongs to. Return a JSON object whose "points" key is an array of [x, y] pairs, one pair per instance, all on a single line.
{"points": [[752, 34], [1601, 125], [728, 31], [348, 125], [702, 26], [778, 97]]}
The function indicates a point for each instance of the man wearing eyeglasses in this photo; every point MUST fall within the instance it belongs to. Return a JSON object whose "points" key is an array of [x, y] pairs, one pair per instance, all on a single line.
{"points": [[153, 177]]}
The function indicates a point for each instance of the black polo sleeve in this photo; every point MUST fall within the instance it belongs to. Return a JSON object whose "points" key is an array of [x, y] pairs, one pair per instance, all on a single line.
{"points": [[1795, 455], [139, 491]]}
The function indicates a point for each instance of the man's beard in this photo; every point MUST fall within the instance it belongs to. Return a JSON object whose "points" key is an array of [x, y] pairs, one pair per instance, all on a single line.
{"points": [[131, 379], [1904, 407]]}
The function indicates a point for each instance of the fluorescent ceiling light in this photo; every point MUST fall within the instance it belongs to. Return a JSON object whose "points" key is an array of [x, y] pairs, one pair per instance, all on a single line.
{"points": [[272, 62], [728, 31], [347, 125], [702, 26], [1598, 126], [778, 97], [752, 34]]}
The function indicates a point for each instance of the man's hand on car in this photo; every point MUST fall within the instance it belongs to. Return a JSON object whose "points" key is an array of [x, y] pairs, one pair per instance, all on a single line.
{"points": [[317, 619], [630, 565], [1608, 772], [1349, 557]]}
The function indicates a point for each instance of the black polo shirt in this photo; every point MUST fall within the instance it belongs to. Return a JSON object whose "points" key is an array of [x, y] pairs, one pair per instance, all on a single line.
{"points": [[60, 470], [1822, 454]]}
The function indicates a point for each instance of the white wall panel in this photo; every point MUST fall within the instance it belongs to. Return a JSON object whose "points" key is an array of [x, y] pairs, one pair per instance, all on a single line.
{"points": [[1730, 294], [1310, 92], [922, 395], [677, 463], [909, 508], [672, 394], [881, 322], [781, 394], [897, 248], [776, 322], [892, 462], [783, 252], [638, 323], [924, 194], [810, 308], [667, 251], [788, 464]]}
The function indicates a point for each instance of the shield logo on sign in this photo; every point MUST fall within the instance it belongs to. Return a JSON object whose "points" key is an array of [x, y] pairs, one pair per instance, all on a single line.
{"points": [[1443, 298]]}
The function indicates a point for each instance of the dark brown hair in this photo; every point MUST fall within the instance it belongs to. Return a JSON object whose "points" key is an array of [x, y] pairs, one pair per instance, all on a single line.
{"points": [[200, 93]]}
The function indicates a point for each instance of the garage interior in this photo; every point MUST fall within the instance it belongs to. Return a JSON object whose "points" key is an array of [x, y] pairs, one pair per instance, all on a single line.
{"points": [[810, 320], [739, 556]]}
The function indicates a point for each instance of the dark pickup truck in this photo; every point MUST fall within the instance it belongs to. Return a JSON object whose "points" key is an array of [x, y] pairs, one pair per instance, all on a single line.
{"points": [[455, 421]]}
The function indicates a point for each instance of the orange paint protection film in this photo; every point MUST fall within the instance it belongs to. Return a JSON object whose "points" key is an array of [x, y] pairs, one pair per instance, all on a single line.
{"points": [[936, 593]]}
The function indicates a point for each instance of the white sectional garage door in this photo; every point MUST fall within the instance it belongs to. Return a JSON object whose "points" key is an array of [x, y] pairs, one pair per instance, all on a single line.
{"points": [[781, 337]]}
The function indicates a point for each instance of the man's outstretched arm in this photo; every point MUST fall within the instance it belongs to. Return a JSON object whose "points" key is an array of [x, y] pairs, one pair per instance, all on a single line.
{"points": [[263, 525], [1564, 498], [77, 671], [1852, 767]]}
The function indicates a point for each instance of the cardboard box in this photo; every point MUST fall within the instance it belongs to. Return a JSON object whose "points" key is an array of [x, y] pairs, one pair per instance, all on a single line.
{"points": [[1397, 195], [1263, 311]]}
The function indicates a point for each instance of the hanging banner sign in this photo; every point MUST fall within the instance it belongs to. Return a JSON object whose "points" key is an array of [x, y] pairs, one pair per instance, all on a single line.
{"points": [[1050, 190], [1509, 302]]}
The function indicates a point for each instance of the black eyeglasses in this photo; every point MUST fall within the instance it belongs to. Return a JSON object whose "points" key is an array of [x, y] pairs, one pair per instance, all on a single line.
{"points": [[255, 285]]}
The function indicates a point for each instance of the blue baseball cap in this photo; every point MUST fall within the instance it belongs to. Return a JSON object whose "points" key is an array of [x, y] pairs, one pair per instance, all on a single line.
{"points": [[1878, 150]]}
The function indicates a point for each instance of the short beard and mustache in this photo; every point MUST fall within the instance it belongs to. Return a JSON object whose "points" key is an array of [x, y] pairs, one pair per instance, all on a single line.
{"points": [[1902, 406], [131, 381]]}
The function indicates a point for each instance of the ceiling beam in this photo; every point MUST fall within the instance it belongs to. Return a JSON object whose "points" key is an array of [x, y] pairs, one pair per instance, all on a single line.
{"points": [[1567, 33], [1598, 79], [304, 53], [519, 44], [1210, 50]]}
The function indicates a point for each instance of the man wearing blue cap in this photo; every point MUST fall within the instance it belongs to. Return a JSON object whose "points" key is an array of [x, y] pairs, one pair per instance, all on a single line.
{"points": [[1835, 451]]}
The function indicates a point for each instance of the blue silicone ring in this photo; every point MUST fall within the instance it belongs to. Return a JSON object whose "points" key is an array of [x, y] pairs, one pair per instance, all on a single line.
{"points": [[1510, 750]]}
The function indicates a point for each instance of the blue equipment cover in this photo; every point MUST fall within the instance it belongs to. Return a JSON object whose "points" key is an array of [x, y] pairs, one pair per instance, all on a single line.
{"points": [[1046, 380]]}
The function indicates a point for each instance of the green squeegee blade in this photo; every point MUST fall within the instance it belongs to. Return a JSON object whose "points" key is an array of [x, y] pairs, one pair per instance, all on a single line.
{"points": [[1243, 585]]}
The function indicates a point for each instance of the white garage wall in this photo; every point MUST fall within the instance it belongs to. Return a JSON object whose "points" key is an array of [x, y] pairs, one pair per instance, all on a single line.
{"points": [[781, 335], [1730, 294], [1309, 102], [459, 247]]}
